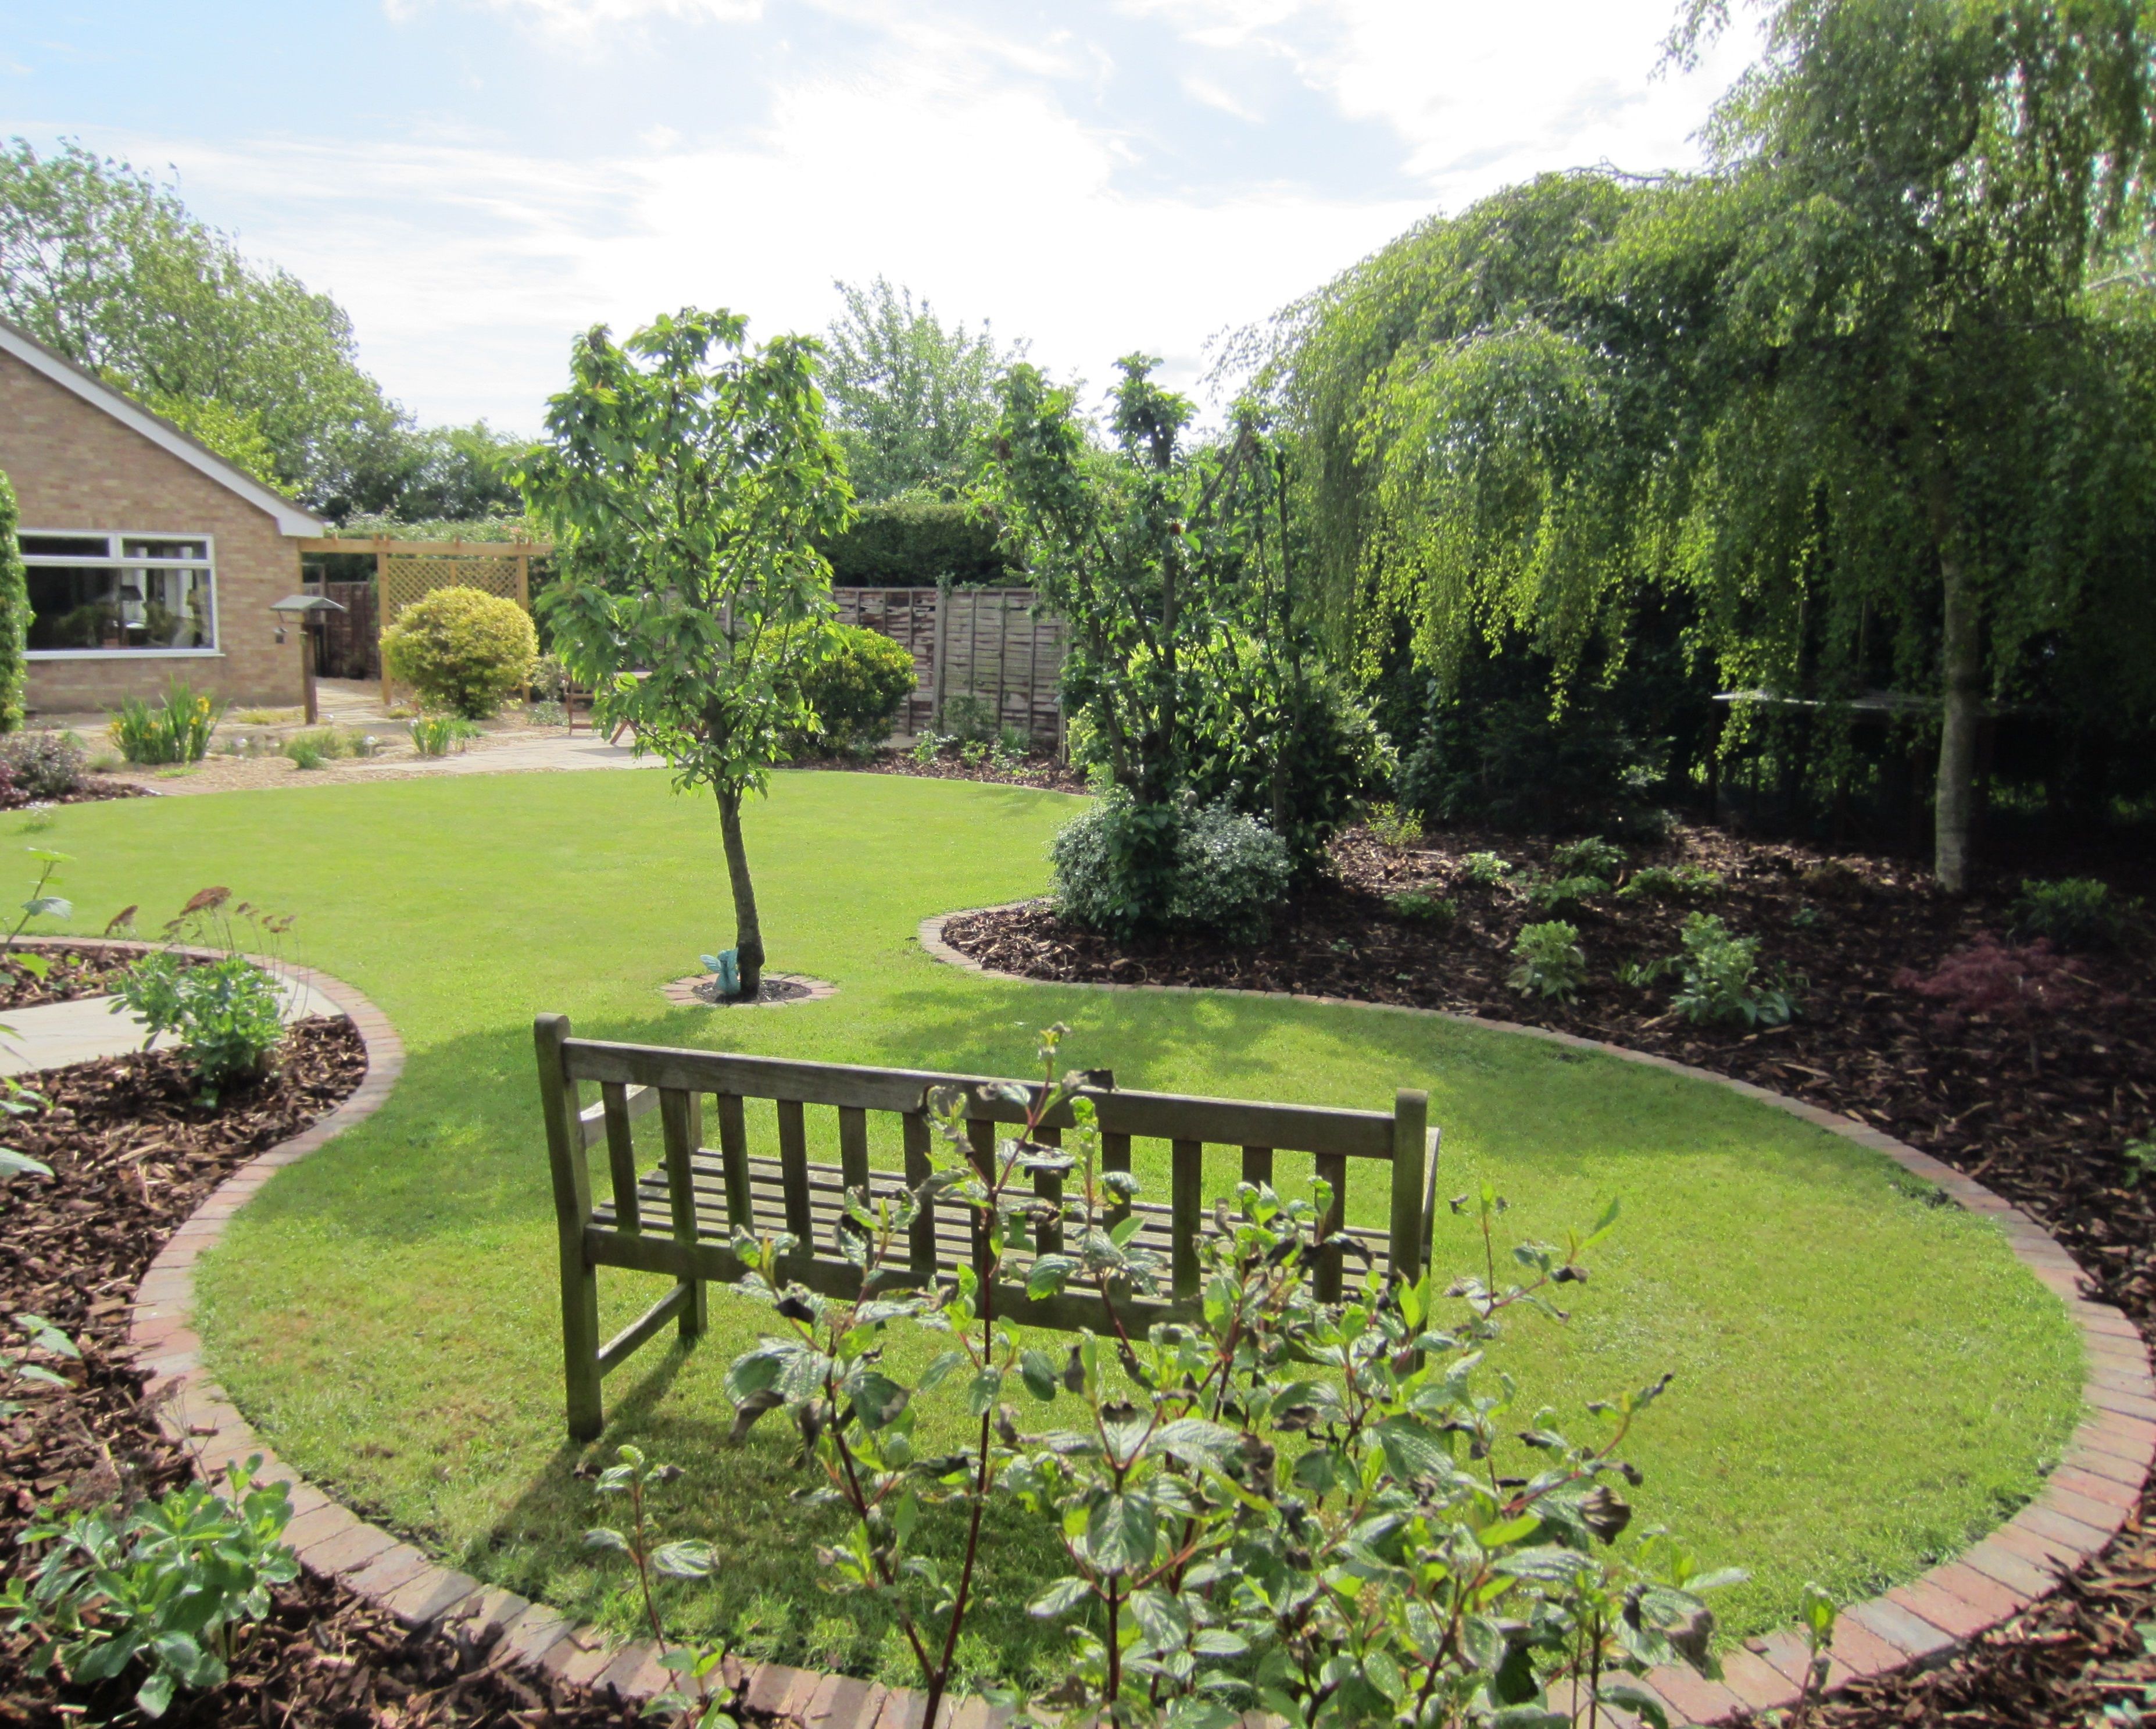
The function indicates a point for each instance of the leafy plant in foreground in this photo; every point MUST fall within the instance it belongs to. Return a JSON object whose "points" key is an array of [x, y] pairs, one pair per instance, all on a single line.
{"points": [[171, 1585], [1552, 962], [1424, 908], [1720, 985], [1268, 1501], [1487, 871], [42, 1335], [700, 1695], [1561, 894], [1393, 826], [437, 735], [227, 1014]]}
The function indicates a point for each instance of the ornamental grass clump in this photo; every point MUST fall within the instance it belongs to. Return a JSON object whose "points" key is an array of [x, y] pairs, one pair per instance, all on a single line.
{"points": [[462, 650], [1331, 1511]]}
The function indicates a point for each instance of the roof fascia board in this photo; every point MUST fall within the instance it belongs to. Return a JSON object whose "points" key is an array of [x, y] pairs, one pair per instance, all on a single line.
{"points": [[290, 518]]}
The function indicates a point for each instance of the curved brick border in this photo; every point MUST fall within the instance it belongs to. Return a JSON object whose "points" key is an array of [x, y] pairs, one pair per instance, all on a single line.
{"points": [[2096, 1489], [682, 991]]}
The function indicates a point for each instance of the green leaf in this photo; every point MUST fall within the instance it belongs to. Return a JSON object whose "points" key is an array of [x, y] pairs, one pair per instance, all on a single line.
{"points": [[878, 1399], [987, 1387], [21, 1164], [1413, 1449], [947, 1364], [1195, 1441], [1120, 1532], [1049, 1274], [1060, 1599], [601, 1537], [1038, 1371], [686, 1559]]}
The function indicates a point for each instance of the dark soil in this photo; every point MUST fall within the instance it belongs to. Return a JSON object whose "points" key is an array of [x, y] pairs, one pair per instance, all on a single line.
{"points": [[132, 1154], [2038, 1105], [93, 788]]}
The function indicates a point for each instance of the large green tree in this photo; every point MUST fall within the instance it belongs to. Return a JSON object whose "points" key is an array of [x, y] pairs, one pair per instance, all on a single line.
{"points": [[1874, 388], [910, 396], [687, 479], [108, 267]]}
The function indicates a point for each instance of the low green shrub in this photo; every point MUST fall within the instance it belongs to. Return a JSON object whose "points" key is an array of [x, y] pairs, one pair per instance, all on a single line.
{"points": [[1671, 882], [324, 744], [927, 746], [1553, 965], [437, 735], [1122, 867], [2073, 912], [1424, 909], [163, 1588], [44, 765], [1593, 856], [1561, 894], [225, 1015], [176, 729], [547, 713], [1391, 825], [857, 691], [462, 650], [1487, 871], [1720, 982], [972, 719]]}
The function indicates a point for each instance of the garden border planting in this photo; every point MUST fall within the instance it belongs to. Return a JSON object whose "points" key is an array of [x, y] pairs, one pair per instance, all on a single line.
{"points": [[2088, 1498], [2091, 1494]]}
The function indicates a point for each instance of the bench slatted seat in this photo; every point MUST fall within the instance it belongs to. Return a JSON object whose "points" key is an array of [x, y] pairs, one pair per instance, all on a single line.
{"points": [[679, 1215]]}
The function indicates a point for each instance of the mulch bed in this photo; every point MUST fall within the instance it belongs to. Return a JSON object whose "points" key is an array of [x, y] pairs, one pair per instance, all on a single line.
{"points": [[133, 1153], [72, 973], [2039, 1110], [1040, 772], [96, 787]]}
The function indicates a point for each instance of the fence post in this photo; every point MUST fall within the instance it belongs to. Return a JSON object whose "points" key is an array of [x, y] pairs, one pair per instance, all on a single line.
{"points": [[940, 653]]}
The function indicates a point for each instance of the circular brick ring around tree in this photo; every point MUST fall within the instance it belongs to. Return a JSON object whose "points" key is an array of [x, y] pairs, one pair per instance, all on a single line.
{"points": [[780, 989], [2090, 1495]]}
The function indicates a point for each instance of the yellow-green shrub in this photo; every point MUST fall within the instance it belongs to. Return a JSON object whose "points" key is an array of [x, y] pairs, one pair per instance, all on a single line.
{"points": [[461, 649]]}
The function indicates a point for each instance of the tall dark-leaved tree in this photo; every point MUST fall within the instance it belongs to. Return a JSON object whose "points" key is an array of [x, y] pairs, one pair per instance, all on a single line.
{"points": [[687, 478]]}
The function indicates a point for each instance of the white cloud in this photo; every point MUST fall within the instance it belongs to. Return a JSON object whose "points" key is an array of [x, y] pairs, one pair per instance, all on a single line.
{"points": [[579, 20], [964, 160]]}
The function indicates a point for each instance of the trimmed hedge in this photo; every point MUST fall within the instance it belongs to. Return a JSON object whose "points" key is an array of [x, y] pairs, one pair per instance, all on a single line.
{"points": [[462, 650], [913, 543], [14, 613]]}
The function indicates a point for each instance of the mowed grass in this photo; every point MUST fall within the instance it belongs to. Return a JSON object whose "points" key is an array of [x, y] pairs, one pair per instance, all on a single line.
{"points": [[1865, 1380]]}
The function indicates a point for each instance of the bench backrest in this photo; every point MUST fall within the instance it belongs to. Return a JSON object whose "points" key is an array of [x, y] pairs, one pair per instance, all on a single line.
{"points": [[632, 1078]]}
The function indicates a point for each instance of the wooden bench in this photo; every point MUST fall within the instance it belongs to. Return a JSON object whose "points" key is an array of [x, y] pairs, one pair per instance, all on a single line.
{"points": [[678, 1216]]}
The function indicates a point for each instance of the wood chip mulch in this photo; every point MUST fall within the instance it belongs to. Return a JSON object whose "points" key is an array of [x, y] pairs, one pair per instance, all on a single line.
{"points": [[133, 1153], [71, 974], [1043, 773], [2039, 1108]]}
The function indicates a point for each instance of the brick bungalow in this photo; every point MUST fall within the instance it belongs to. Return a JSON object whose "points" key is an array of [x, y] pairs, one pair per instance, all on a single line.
{"points": [[147, 553]]}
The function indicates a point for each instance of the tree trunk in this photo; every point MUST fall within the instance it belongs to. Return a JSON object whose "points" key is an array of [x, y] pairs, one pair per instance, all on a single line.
{"points": [[1962, 669], [748, 930]]}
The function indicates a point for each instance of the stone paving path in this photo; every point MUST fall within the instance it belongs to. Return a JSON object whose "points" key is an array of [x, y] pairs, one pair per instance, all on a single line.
{"points": [[53, 1034]]}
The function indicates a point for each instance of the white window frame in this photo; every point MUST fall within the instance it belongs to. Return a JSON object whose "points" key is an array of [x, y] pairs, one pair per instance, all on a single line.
{"points": [[118, 537]]}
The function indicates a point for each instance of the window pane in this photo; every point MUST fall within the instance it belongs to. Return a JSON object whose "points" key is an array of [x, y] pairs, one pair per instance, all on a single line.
{"points": [[124, 606], [66, 546], [164, 549]]}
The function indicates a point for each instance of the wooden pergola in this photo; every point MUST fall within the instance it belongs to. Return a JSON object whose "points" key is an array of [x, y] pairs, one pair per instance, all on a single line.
{"points": [[406, 570]]}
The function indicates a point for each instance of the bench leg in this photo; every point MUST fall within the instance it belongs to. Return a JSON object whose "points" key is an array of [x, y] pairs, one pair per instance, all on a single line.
{"points": [[694, 1322], [580, 1348]]}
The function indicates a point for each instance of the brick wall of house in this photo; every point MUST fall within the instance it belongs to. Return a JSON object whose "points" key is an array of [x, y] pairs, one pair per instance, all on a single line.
{"points": [[75, 467]]}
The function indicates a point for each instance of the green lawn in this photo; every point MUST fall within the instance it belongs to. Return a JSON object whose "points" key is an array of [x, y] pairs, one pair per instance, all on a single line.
{"points": [[1865, 1380]]}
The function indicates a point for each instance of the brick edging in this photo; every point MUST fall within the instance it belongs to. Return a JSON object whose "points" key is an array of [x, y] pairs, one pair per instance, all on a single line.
{"points": [[2095, 1489], [333, 1543], [682, 991]]}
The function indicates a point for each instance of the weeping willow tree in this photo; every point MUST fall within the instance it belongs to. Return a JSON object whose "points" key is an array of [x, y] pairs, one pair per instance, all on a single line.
{"points": [[1875, 389]]}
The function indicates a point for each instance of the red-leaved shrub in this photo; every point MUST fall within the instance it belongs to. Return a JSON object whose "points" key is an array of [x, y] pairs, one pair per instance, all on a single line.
{"points": [[2012, 986]]}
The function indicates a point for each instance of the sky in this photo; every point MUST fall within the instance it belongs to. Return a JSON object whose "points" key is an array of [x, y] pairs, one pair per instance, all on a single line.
{"points": [[476, 181]]}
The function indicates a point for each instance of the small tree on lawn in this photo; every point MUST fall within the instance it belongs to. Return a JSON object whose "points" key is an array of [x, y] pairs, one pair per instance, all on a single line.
{"points": [[686, 478]]}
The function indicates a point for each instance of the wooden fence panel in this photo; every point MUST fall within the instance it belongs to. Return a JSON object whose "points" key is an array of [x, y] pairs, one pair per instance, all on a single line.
{"points": [[989, 644]]}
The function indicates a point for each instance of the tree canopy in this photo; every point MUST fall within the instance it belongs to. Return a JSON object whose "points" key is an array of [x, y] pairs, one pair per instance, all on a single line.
{"points": [[910, 396], [1873, 390], [688, 478]]}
